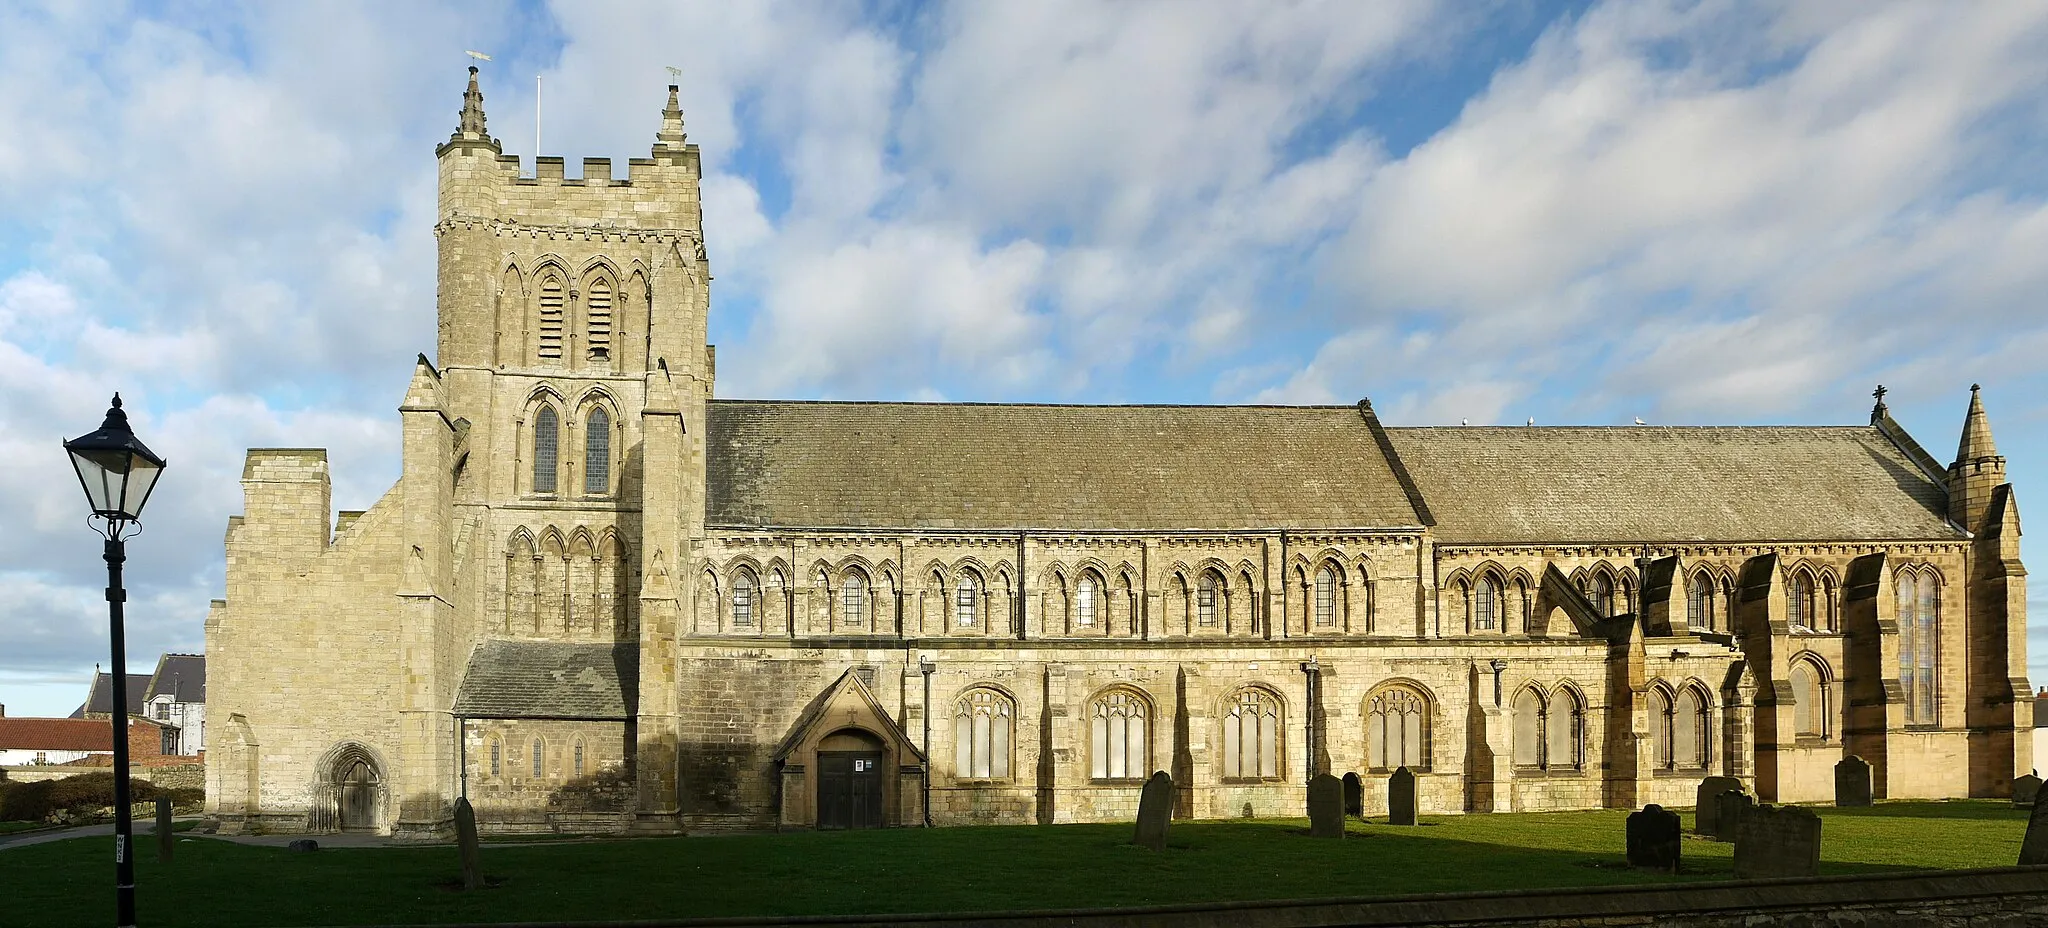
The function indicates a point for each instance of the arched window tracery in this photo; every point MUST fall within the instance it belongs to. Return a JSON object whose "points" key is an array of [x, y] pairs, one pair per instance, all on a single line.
{"points": [[983, 725], [1119, 736], [597, 453], [1397, 729], [1251, 736], [547, 437]]}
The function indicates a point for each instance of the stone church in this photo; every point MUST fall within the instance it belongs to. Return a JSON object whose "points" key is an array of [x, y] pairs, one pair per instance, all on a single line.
{"points": [[598, 599]]}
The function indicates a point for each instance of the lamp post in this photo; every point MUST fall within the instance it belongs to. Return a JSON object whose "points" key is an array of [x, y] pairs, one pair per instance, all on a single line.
{"points": [[117, 473]]}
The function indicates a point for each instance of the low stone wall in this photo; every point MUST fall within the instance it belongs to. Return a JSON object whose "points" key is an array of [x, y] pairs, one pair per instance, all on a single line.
{"points": [[173, 776], [2002, 897]]}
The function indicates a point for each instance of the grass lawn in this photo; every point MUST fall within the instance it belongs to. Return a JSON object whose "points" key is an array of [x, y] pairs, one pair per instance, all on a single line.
{"points": [[8, 828], [948, 869]]}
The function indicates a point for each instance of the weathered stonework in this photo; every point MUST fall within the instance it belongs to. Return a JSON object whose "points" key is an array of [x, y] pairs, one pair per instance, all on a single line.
{"points": [[758, 614]]}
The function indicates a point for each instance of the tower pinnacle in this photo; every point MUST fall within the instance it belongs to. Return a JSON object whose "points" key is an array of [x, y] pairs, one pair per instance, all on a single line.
{"points": [[671, 135], [470, 130], [1976, 444]]}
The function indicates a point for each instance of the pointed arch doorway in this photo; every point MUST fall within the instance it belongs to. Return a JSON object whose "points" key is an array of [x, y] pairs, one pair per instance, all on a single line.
{"points": [[359, 786]]}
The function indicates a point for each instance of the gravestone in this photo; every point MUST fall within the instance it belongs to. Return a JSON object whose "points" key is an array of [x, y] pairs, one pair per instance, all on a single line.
{"points": [[1155, 806], [1401, 797], [2034, 850], [1705, 807], [164, 837], [1852, 782], [1325, 807], [1729, 810], [1775, 841], [305, 845], [1354, 796], [1653, 837], [2024, 791], [466, 845]]}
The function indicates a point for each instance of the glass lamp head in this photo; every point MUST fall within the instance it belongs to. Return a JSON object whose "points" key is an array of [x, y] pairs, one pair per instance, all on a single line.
{"points": [[116, 469]]}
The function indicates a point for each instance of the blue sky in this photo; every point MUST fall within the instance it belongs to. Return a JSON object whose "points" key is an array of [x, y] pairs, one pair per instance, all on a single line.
{"points": [[1689, 212]]}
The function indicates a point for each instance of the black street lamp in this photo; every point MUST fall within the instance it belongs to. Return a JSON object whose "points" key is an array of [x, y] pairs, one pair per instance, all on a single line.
{"points": [[118, 473]]}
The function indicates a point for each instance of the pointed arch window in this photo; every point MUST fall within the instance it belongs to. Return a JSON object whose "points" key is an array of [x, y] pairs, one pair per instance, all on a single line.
{"points": [[1326, 597], [598, 309], [1397, 730], [551, 303], [1830, 605], [537, 756], [1809, 701], [853, 598], [967, 600], [982, 728], [547, 437], [1699, 602], [1122, 750], [1205, 598], [1692, 728], [1603, 594], [743, 593], [1085, 595], [1486, 605], [579, 757], [1251, 736], [597, 453], [1661, 717], [1799, 605], [497, 757], [1530, 744], [1565, 731], [1919, 614]]}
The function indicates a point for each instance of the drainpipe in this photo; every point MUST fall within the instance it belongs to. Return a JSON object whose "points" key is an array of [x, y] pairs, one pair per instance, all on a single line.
{"points": [[1312, 671], [925, 665], [462, 754]]}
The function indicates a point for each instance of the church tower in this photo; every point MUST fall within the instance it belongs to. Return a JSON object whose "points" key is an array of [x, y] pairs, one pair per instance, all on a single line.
{"points": [[2000, 707], [574, 371]]}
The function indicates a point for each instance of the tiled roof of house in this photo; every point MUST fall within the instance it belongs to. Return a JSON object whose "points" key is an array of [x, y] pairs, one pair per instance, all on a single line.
{"points": [[549, 680], [181, 676], [987, 466], [100, 698], [56, 735], [1671, 484]]}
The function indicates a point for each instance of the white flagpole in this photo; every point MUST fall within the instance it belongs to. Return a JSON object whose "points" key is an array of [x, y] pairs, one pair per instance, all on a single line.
{"points": [[536, 125]]}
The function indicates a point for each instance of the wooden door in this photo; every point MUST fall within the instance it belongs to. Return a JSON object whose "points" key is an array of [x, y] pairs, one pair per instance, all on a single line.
{"points": [[358, 798], [849, 790]]}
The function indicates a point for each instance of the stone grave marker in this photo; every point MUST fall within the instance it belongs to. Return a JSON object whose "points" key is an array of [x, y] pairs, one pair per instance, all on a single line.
{"points": [[1852, 782], [1704, 806], [164, 836], [1653, 836], [1729, 809], [466, 845], [1155, 806], [303, 845], [2024, 791], [1354, 796], [1776, 841], [2034, 850], [1401, 797], [1325, 806]]}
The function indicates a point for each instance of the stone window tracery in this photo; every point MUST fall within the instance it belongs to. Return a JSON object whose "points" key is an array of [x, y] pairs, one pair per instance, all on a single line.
{"points": [[1251, 736], [597, 453], [1205, 598], [547, 436], [743, 591], [983, 723], [1084, 600], [1397, 729], [1326, 597], [967, 601], [1919, 616], [1486, 605], [1118, 729], [853, 598]]}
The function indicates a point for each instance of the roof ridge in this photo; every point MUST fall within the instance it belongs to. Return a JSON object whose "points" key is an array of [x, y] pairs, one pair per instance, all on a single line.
{"points": [[979, 403]]}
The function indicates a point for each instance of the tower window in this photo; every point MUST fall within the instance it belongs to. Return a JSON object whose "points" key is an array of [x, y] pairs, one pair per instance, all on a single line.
{"points": [[965, 598], [597, 453], [1205, 600], [1084, 601], [1326, 597], [551, 300], [743, 599], [600, 319], [547, 434], [853, 596]]}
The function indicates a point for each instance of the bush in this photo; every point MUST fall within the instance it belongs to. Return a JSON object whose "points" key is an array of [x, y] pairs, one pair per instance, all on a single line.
{"points": [[80, 797]]}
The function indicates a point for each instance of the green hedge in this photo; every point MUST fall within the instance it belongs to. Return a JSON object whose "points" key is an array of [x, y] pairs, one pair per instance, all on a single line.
{"points": [[81, 796]]}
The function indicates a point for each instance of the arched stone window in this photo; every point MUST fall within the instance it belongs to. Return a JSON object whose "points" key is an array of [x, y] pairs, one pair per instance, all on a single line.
{"points": [[597, 453], [538, 754], [1206, 592], [1486, 605], [983, 722], [1799, 601], [597, 307], [1919, 614], [547, 438], [1530, 745], [1565, 730], [853, 598], [744, 592], [1603, 594], [551, 303], [1830, 604], [1661, 746], [967, 600], [1118, 726], [1251, 736], [579, 758], [1692, 731], [497, 757], [1326, 597], [1809, 700], [1397, 729], [1086, 594], [1699, 602]]}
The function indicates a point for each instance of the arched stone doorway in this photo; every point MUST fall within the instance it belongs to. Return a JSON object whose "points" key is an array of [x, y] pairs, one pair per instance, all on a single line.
{"points": [[850, 780], [359, 788], [350, 793]]}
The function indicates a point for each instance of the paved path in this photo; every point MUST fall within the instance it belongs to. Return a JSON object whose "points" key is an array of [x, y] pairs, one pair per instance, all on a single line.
{"points": [[148, 828]]}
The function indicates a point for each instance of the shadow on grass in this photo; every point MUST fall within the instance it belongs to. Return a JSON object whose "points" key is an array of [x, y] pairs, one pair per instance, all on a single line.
{"points": [[1983, 810]]}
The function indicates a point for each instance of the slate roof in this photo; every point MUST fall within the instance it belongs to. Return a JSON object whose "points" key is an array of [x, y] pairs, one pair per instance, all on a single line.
{"points": [[549, 680], [1079, 468], [1670, 484], [100, 698], [181, 676]]}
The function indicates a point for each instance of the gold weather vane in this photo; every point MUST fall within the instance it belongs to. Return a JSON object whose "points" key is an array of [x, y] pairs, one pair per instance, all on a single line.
{"points": [[480, 56]]}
